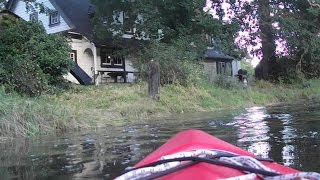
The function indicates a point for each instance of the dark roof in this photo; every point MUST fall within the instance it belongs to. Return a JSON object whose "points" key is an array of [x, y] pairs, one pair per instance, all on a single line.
{"points": [[10, 4], [77, 12], [9, 12], [217, 54], [77, 15]]}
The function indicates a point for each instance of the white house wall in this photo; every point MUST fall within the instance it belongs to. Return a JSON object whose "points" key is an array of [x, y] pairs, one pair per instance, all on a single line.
{"points": [[84, 47], [21, 11], [84, 60]]}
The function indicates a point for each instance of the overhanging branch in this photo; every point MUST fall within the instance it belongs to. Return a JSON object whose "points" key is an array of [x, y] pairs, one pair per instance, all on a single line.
{"points": [[313, 3]]}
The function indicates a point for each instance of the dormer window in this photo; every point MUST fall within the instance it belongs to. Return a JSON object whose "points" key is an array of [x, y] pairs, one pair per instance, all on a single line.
{"points": [[33, 17], [128, 23], [54, 18]]}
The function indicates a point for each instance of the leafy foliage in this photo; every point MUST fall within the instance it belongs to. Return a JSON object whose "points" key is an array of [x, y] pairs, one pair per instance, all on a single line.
{"points": [[32, 60], [295, 22], [177, 33], [178, 62]]}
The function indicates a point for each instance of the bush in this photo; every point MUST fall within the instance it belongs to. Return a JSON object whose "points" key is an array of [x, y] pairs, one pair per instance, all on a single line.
{"points": [[178, 62], [228, 82], [30, 59]]}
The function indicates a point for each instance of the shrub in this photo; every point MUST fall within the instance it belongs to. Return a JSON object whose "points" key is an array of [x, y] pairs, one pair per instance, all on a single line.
{"points": [[228, 82], [178, 62], [30, 59]]}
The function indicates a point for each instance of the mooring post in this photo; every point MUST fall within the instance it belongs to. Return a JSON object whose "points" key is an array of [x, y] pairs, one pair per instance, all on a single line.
{"points": [[154, 80]]}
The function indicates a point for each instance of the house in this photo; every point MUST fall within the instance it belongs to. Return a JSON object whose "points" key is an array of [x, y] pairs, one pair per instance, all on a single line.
{"points": [[217, 63], [97, 62]]}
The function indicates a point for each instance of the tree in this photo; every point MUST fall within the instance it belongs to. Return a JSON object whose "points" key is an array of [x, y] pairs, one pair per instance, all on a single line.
{"points": [[171, 27], [32, 60], [295, 22], [166, 20]]}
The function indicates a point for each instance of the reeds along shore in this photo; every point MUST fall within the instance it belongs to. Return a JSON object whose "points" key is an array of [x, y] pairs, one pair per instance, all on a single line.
{"points": [[115, 104]]}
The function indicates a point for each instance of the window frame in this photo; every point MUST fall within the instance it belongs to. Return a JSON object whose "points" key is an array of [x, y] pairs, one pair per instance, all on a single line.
{"points": [[33, 17], [74, 52], [105, 56], [127, 26], [52, 16], [222, 67], [114, 61]]}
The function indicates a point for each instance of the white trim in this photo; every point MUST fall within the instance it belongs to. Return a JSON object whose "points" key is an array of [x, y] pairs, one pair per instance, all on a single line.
{"points": [[94, 48]]}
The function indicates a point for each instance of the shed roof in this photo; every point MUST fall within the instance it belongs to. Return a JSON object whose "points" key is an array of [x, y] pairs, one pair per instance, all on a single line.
{"points": [[214, 53]]}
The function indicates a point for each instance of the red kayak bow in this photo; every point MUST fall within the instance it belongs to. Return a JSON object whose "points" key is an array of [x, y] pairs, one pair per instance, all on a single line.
{"points": [[194, 154]]}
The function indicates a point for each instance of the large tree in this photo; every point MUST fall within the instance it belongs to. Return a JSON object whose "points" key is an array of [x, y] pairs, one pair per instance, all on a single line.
{"points": [[176, 31], [167, 20], [295, 22]]}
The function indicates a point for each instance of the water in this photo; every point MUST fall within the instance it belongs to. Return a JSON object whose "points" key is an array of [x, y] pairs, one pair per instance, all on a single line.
{"points": [[290, 134]]}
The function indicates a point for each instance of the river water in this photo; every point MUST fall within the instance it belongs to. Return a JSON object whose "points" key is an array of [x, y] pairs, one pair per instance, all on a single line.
{"points": [[289, 134]]}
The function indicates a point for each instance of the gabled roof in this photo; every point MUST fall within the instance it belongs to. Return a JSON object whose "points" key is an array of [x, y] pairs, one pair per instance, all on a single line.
{"points": [[75, 13], [9, 12], [10, 4], [214, 53]]}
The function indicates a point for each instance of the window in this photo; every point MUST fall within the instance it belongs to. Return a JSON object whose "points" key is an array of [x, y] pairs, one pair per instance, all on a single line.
{"points": [[107, 60], [117, 60], [105, 57], [33, 17], [73, 56], [221, 67], [224, 68], [110, 58], [54, 18], [128, 23]]}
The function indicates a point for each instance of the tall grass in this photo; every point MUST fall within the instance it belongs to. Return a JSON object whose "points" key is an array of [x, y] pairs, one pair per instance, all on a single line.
{"points": [[27, 116], [118, 104]]}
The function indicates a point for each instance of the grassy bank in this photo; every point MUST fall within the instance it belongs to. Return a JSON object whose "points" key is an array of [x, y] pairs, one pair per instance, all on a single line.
{"points": [[114, 104]]}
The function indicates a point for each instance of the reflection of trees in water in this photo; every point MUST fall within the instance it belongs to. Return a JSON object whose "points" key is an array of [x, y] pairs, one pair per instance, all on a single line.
{"points": [[301, 134], [102, 155], [18, 159], [292, 139]]}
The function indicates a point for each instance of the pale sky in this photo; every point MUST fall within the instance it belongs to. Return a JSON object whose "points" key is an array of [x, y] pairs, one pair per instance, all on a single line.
{"points": [[243, 36]]}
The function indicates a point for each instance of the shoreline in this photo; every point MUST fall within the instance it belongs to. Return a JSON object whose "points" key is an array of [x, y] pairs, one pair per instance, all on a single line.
{"points": [[118, 104]]}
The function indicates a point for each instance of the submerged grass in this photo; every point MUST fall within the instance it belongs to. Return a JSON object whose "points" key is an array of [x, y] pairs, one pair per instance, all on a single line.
{"points": [[118, 104]]}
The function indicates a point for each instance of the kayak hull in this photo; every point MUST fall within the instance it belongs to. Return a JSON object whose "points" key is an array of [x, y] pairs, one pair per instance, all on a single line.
{"points": [[196, 139]]}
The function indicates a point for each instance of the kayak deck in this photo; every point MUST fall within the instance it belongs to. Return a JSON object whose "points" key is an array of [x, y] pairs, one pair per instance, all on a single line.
{"points": [[195, 139]]}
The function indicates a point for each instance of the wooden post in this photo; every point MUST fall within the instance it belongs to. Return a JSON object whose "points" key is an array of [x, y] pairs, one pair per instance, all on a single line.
{"points": [[154, 80]]}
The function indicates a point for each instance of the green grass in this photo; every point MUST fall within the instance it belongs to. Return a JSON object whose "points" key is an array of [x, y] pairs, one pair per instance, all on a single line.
{"points": [[118, 104]]}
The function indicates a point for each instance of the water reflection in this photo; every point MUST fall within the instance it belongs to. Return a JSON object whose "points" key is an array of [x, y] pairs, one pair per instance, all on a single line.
{"points": [[287, 134], [253, 131]]}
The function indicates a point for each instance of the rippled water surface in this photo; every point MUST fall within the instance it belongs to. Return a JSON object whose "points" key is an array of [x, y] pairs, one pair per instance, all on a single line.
{"points": [[290, 134]]}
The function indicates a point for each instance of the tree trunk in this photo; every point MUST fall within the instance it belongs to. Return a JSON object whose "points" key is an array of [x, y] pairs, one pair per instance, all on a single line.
{"points": [[154, 80], [264, 69]]}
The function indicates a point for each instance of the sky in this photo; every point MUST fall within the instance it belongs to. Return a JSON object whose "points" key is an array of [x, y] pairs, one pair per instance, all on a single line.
{"points": [[244, 36]]}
